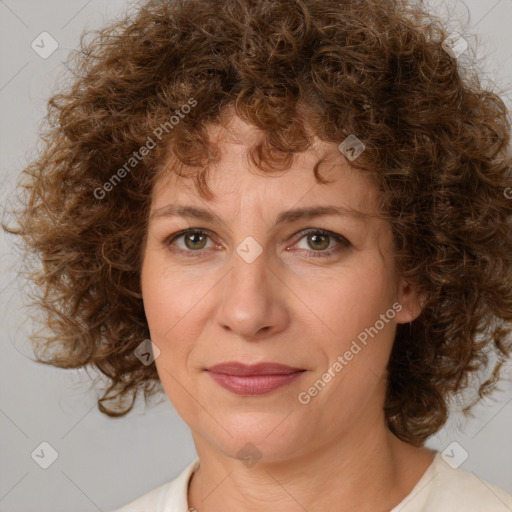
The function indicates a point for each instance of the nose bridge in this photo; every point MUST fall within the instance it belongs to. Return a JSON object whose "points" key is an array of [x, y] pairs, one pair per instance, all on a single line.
{"points": [[252, 258], [249, 303]]}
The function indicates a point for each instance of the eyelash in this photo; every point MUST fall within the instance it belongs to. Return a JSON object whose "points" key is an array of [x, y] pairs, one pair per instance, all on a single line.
{"points": [[343, 243]]}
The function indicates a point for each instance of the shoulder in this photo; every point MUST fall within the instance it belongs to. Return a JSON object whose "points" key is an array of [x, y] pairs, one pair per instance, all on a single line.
{"points": [[169, 497], [150, 501], [454, 490]]}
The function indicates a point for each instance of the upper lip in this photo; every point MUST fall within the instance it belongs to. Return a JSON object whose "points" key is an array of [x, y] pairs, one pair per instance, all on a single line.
{"points": [[265, 368]]}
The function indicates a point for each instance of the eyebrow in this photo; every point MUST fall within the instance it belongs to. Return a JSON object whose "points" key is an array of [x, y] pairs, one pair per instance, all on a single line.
{"points": [[287, 216]]}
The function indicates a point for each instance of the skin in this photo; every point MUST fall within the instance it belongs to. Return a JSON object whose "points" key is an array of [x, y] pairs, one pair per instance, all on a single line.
{"points": [[288, 307]]}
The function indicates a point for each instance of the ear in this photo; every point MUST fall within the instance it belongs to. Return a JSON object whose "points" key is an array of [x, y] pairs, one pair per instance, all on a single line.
{"points": [[412, 303]]}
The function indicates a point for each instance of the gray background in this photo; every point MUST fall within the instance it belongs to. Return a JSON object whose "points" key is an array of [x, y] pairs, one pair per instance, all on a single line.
{"points": [[103, 462]]}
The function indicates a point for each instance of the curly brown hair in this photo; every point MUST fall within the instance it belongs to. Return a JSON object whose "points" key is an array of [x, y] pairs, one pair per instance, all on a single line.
{"points": [[436, 145]]}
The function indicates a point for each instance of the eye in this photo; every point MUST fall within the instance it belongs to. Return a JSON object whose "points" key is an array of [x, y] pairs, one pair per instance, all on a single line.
{"points": [[194, 241], [320, 240]]}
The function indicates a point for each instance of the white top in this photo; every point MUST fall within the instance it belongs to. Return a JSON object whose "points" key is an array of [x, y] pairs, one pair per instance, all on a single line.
{"points": [[440, 489]]}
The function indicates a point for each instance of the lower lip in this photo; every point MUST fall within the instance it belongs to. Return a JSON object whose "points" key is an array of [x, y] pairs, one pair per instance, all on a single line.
{"points": [[253, 384]]}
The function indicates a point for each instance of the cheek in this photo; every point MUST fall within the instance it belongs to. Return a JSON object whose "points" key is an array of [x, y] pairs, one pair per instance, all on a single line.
{"points": [[170, 297], [174, 312], [355, 298], [165, 306], [163, 309], [358, 334]]}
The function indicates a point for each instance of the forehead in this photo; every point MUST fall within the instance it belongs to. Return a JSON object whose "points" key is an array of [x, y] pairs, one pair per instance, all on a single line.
{"points": [[238, 185]]}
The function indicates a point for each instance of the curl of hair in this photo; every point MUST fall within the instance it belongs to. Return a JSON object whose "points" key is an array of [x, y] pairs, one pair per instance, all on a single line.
{"points": [[436, 146]]}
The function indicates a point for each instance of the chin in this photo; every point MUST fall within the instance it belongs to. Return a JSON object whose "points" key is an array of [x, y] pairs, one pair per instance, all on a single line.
{"points": [[253, 437]]}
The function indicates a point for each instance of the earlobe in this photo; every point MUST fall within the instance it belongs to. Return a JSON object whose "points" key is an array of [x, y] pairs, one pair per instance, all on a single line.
{"points": [[411, 301]]}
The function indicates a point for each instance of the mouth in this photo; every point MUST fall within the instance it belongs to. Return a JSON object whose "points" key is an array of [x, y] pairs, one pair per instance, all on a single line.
{"points": [[254, 379]]}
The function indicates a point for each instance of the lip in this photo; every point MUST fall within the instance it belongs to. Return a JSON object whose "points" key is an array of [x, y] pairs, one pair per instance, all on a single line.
{"points": [[254, 379], [265, 368]]}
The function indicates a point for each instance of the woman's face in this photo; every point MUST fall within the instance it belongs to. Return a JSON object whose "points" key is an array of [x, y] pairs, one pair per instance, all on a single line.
{"points": [[256, 288]]}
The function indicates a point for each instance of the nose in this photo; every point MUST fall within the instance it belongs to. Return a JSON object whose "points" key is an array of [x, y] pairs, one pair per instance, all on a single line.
{"points": [[252, 299]]}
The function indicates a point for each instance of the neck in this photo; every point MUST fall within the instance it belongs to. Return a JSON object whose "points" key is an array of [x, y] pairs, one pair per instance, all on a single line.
{"points": [[366, 471]]}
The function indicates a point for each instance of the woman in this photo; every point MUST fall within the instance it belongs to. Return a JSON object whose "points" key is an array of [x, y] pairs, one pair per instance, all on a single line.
{"points": [[335, 271]]}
